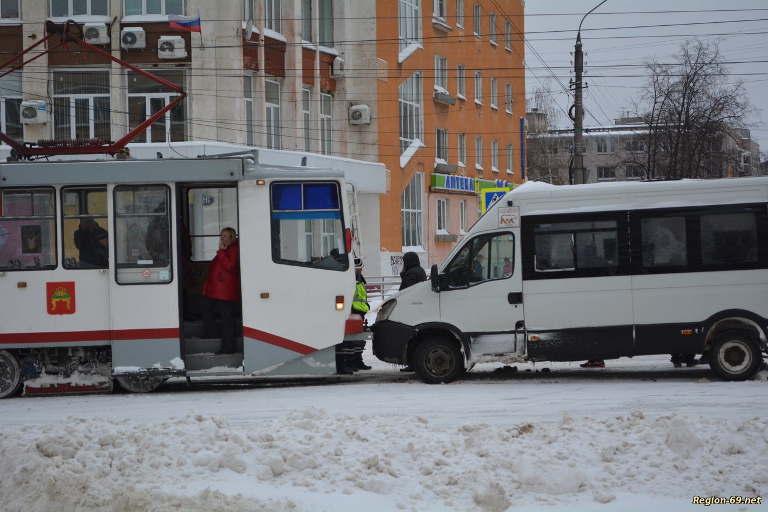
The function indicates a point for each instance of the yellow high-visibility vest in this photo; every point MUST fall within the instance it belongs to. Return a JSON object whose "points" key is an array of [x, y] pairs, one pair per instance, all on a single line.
{"points": [[359, 301]]}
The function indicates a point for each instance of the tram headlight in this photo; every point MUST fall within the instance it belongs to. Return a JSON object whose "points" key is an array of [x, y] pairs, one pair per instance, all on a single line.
{"points": [[386, 310]]}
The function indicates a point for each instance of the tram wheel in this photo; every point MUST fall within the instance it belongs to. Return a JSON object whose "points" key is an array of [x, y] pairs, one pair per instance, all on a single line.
{"points": [[139, 383], [10, 376]]}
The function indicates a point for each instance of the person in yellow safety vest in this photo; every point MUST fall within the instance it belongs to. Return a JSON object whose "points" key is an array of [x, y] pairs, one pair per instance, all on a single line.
{"points": [[352, 351]]}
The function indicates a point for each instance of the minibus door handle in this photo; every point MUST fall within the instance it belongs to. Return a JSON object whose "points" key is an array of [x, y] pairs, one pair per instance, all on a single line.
{"points": [[515, 298]]}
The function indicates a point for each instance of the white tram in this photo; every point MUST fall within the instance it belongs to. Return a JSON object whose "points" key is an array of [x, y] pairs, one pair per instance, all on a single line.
{"points": [[72, 322]]}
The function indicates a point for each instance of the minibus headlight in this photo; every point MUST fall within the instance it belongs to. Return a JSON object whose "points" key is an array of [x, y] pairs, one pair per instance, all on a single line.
{"points": [[386, 310]]}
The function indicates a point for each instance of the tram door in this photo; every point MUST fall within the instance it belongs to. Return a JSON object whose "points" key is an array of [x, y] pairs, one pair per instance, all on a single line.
{"points": [[143, 292]]}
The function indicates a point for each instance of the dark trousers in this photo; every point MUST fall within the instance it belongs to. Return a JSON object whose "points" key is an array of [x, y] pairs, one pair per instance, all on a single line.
{"points": [[227, 311]]}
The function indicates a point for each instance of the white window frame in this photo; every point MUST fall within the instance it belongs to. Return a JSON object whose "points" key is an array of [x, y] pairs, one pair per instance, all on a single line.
{"points": [[605, 145], [460, 13], [273, 16], [492, 28], [144, 12], [409, 23], [412, 201], [306, 114], [248, 10], [508, 36], [326, 124], [510, 159], [441, 144], [602, 171], [18, 10], [70, 8], [72, 105], [11, 94], [167, 97], [250, 133], [440, 9], [442, 216], [508, 98], [494, 93], [479, 87], [306, 20], [479, 153], [461, 82], [494, 155], [477, 19], [441, 72], [272, 117], [462, 150], [634, 167], [411, 111], [463, 217]]}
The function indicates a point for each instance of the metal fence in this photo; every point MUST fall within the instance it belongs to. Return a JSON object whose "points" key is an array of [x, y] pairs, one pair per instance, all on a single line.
{"points": [[381, 287]]}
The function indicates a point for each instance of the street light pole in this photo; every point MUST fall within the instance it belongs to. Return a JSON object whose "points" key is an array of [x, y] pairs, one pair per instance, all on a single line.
{"points": [[578, 107]]}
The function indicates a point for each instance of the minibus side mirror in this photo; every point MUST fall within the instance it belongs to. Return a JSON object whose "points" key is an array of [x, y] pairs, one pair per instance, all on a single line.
{"points": [[434, 278]]}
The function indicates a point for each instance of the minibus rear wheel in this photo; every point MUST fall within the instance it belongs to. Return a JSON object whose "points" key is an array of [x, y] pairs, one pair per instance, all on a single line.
{"points": [[735, 355], [10, 376], [438, 360]]}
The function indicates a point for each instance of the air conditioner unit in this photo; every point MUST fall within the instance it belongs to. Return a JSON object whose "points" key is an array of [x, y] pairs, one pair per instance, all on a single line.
{"points": [[95, 33], [133, 37], [359, 114], [171, 47], [34, 111], [337, 70]]}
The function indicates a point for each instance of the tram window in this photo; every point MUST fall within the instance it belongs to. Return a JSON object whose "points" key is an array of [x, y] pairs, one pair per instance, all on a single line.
{"points": [[85, 230], [308, 226], [142, 234], [210, 210], [27, 229]]}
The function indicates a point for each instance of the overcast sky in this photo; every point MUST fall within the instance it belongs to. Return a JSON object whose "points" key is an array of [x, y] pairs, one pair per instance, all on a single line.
{"points": [[621, 35]]}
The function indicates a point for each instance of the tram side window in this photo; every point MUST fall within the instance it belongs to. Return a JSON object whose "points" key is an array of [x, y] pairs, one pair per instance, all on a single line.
{"points": [[728, 239], [308, 226], [85, 231], [142, 234], [210, 210], [664, 242], [484, 258], [27, 229], [587, 247]]}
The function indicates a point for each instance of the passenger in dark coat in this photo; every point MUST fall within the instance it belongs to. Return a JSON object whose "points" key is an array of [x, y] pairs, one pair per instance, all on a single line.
{"points": [[412, 272]]}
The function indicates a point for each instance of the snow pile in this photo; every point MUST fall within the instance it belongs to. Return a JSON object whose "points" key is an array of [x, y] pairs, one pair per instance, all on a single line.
{"points": [[311, 460]]}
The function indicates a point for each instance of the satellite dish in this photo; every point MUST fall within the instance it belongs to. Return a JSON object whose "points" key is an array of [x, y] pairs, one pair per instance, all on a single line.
{"points": [[248, 30]]}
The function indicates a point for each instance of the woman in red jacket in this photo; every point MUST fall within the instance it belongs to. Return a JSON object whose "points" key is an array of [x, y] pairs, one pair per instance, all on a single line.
{"points": [[221, 292]]}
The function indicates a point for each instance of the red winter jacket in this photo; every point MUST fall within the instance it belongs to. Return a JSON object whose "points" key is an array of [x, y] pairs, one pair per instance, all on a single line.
{"points": [[223, 281]]}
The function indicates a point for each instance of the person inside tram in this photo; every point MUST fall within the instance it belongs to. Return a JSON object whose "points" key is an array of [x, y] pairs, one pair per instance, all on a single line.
{"points": [[93, 243], [157, 239]]}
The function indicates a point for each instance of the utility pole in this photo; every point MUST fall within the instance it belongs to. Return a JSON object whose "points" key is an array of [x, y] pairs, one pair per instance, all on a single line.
{"points": [[578, 107]]}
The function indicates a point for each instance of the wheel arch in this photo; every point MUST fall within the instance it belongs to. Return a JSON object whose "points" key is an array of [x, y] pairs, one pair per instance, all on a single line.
{"points": [[736, 320], [444, 329]]}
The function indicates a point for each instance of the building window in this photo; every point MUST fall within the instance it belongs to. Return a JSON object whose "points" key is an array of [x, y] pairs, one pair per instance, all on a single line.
{"points": [[460, 13], [326, 23], [306, 20], [441, 72], [409, 21], [494, 93], [141, 7], [441, 144], [476, 18], [479, 153], [508, 35], [605, 145], [250, 139], [461, 83], [442, 216], [272, 101], [463, 216], [410, 111], [635, 172], [510, 160], [439, 9], [10, 106], [606, 173], [68, 8], [272, 19], [508, 98], [462, 150], [495, 155], [146, 97], [478, 87], [634, 146], [492, 28], [413, 213], [307, 117], [326, 132], [9, 9]]}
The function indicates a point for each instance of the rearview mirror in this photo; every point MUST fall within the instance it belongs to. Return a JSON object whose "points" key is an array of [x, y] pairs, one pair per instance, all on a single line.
{"points": [[434, 279]]}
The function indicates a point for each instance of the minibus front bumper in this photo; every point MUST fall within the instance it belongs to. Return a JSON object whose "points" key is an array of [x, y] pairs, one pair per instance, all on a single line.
{"points": [[390, 341]]}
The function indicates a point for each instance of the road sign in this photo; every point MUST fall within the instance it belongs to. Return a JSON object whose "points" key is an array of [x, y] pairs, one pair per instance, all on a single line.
{"points": [[490, 196]]}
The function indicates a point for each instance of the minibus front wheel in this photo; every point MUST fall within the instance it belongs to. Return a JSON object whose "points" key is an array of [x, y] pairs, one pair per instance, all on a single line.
{"points": [[438, 360], [735, 355]]}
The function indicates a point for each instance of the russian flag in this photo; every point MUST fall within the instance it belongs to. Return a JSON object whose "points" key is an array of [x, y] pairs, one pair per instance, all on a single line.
{"points": [[185, 22]]}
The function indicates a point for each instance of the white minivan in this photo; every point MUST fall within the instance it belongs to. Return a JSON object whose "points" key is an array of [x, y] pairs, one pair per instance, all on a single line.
{"points": [[599, 271]]}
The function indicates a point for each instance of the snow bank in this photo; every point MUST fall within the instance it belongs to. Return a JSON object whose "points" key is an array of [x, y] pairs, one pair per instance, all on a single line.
{"points": [[310, 460]]}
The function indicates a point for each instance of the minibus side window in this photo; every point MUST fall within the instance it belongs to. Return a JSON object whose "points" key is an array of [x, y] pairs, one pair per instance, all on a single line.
{"points": [[85, 231], [664, 242], [308, 226], [728, 239], [484, 258], [583, 247], [27, 229]]}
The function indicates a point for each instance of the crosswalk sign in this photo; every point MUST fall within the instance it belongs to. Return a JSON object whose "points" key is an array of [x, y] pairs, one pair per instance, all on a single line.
{"points": [[490, 196]]}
